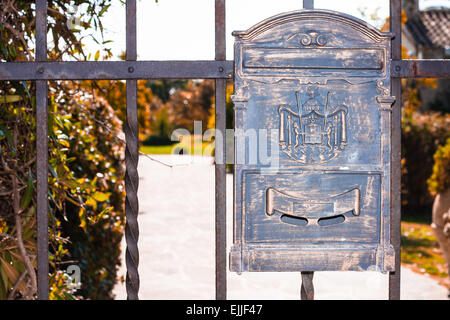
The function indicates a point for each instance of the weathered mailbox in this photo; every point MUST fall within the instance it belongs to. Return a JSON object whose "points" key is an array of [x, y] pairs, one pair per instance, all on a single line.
{"points": [[321, 81]]}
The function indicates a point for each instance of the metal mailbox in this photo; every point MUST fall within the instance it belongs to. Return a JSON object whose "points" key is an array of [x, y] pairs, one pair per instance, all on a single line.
{"points": [[315, 86]]}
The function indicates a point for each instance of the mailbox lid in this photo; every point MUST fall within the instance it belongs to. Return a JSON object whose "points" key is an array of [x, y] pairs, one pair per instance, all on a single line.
{"points": [[311, 43]]}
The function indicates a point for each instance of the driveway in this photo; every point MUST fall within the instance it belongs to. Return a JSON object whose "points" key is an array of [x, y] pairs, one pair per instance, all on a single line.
{"points": [[176, 244]]}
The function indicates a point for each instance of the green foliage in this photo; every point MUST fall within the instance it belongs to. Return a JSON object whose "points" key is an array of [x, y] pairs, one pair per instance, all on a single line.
{"points": [[421, 136], [191, 104], [157, 149], [164, 88], [440, 179], [161, 129], [149, 105], [157, 140], [85, 181], [94, 220]]}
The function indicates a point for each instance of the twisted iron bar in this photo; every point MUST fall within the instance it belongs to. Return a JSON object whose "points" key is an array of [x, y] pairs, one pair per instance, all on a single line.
{"points": [[131, 187], [307, 289]]}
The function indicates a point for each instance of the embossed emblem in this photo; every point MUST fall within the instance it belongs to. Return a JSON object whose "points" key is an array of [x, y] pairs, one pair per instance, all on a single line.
{"points": [[316, 131]]}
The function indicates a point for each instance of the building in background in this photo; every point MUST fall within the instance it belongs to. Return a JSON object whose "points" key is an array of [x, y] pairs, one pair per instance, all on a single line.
{"points": [[426, 35]]}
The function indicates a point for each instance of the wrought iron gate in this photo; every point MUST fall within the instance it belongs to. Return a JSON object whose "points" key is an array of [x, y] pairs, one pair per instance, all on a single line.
{"points": [[219, 69]]}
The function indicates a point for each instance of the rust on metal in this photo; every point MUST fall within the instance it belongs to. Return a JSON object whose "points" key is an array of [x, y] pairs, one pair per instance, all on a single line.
{"points": [[432, 68]]}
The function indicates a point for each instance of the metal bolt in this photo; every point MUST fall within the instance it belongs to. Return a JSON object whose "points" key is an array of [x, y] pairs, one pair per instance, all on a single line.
{"points": [[130, 69], [221, 69], [41, 70], [397, 68]]}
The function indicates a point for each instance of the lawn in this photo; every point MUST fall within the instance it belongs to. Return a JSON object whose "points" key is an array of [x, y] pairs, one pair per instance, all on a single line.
{"points": [[175, 148], [421, 251], [156, 149]]}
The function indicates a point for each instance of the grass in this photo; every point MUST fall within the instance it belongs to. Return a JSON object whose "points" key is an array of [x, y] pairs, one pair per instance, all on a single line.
{"points": [[421, 251], [175, 148], [156, 149]]}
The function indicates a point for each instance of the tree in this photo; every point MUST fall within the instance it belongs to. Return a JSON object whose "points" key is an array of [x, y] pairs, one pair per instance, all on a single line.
{"points": [[191, 104], [115, 93], [164, 88]]}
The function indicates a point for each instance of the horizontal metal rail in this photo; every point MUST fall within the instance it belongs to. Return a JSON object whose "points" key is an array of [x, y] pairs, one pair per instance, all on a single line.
{"points": [[115, 70], [423, 68], [206, 69]]}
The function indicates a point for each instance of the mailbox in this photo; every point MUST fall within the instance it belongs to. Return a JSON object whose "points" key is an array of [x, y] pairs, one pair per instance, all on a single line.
{"points": [[313, 87]]}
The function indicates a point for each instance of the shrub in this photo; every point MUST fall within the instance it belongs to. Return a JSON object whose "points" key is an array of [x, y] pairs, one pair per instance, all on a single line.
{"points": [[157, 140], [440, 179], [94, 222], [161, 130], [422, 133]]}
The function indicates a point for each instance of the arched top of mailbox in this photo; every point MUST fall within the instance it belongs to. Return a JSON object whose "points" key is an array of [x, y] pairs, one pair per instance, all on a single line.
{"points": [[311, 16]]}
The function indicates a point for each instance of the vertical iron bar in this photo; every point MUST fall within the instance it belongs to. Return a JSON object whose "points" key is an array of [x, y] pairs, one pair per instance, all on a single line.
{"points": [[42, 155], [220, 161], [131, 161], [308, 4], [396, 90], [307, 286]]}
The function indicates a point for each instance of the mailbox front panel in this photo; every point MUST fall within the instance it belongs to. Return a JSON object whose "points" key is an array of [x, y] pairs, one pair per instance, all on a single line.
{"points": [[312, 145], [311, 207]]}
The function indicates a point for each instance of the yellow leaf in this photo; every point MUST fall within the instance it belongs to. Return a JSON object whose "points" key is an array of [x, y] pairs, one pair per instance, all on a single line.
{"points": [[82, 215], [64, 143], [10, 98], [91, 202], [100, 196], [97, 55]]}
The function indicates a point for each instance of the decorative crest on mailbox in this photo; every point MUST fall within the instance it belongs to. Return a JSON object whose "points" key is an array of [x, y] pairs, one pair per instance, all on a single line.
{"points": [[315, 131], [320, 80]]}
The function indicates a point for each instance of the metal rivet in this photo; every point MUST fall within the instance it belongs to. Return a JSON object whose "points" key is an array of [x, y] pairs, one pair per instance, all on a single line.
{"points": [[221, 69], [397, 68], [41, 70], [130, 69]]}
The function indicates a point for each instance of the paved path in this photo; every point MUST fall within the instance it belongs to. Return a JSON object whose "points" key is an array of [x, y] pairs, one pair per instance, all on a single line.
{"points": [[177, 246]]}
